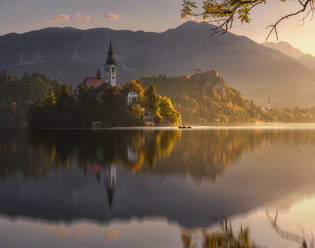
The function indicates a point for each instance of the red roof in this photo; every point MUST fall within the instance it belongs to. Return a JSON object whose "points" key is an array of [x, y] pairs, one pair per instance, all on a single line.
{"points": [[93, 82], [94, 168]]}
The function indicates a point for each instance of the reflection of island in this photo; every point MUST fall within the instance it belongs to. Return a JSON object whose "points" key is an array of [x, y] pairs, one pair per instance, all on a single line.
{"points": [[201, 155], [90, 151], [62, 167]]}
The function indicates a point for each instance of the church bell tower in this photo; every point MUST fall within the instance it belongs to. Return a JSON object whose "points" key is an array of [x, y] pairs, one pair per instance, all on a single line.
{"points": [[110, 70]]}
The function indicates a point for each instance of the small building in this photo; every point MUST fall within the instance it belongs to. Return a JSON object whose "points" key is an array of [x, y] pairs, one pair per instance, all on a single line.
{"points": [[268, 107], [148, 120], [198, 70], [132, 96]]}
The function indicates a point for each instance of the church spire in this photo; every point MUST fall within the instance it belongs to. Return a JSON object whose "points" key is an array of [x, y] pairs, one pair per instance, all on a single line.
{"points": [[110, 55], [110, 67]]}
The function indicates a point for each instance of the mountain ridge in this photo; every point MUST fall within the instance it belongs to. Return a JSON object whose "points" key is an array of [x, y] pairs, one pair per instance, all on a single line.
{"points": [[286, 48]]}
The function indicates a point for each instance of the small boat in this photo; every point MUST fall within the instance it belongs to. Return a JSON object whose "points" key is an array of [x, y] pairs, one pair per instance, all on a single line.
{"points": [[183, 126]]}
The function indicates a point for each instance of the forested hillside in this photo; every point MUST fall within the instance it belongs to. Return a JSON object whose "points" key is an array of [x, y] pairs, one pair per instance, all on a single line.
{"points": [[16, 93], [200, 99], [205, 98]]}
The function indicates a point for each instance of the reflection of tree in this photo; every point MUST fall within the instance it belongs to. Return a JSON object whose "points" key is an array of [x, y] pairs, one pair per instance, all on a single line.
{"points": [[301, 240], [223, 238], [206, 154], [91, 151], [17, 157], [187, 239], [197, 154]]}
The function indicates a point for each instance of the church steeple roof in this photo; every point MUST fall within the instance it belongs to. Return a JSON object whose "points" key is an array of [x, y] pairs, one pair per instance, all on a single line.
{"points": [[110, 55]]}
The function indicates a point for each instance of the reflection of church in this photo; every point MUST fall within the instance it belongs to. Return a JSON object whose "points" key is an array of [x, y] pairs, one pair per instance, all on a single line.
{"points": [[110, 178], [110, 183]]}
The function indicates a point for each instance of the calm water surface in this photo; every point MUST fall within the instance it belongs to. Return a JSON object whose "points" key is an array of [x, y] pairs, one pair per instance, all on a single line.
{"points": [[156, 188]]}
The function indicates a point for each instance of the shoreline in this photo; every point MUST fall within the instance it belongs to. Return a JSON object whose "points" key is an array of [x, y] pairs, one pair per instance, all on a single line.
{"points": [[260, 126]]}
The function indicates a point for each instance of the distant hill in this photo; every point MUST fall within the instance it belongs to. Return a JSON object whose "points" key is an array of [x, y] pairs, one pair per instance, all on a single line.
{"points": [[69, 55], [205, 98], [305, 59]]}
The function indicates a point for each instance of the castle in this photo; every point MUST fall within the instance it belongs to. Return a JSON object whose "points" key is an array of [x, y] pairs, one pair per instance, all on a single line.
{"points": [[110, 78]]}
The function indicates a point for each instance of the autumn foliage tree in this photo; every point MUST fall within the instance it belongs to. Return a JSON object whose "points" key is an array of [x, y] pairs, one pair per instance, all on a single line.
{"points": [[225, 12]]}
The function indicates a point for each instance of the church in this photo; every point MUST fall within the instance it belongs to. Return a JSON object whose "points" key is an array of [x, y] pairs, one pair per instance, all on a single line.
{"points": [[110, 78]]}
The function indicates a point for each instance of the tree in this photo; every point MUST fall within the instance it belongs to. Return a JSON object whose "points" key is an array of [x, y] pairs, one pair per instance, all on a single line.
{"points": [[225, 12], [136, 86], [151, 99], [168, 111], [17, 93], [137, 111], [98, 74]]}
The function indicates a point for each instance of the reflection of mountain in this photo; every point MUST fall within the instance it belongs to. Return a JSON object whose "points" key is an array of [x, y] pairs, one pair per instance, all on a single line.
{"points": [[67, 194]]}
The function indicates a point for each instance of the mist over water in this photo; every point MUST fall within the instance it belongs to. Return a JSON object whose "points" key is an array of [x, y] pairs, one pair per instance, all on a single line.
{"points": [[156, 187]]}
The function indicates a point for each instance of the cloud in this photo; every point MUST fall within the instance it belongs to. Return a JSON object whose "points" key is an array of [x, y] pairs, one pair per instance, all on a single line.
{"points": [[50, 21], [80, 17], [112, 16], [194, 19], [62, 18], [58, 18]]}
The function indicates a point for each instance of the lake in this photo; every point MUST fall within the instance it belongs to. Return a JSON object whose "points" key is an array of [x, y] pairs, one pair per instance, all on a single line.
{"points": [[157, 188]]}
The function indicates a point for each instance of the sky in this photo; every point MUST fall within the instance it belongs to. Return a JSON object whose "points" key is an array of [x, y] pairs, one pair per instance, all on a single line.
{"points": [[149, 15]]}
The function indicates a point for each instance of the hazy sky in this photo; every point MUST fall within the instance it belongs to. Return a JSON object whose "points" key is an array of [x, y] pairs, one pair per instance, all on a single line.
{"points": [[149, 15]]}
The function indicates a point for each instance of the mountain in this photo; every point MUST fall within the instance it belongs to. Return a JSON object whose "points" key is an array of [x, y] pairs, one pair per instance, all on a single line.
{"points": [[69, 55], [308, 61], [285, 48], [305, 59]]}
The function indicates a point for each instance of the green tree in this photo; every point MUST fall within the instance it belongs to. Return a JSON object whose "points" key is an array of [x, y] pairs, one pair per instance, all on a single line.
{"points": [[22, 91]]}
